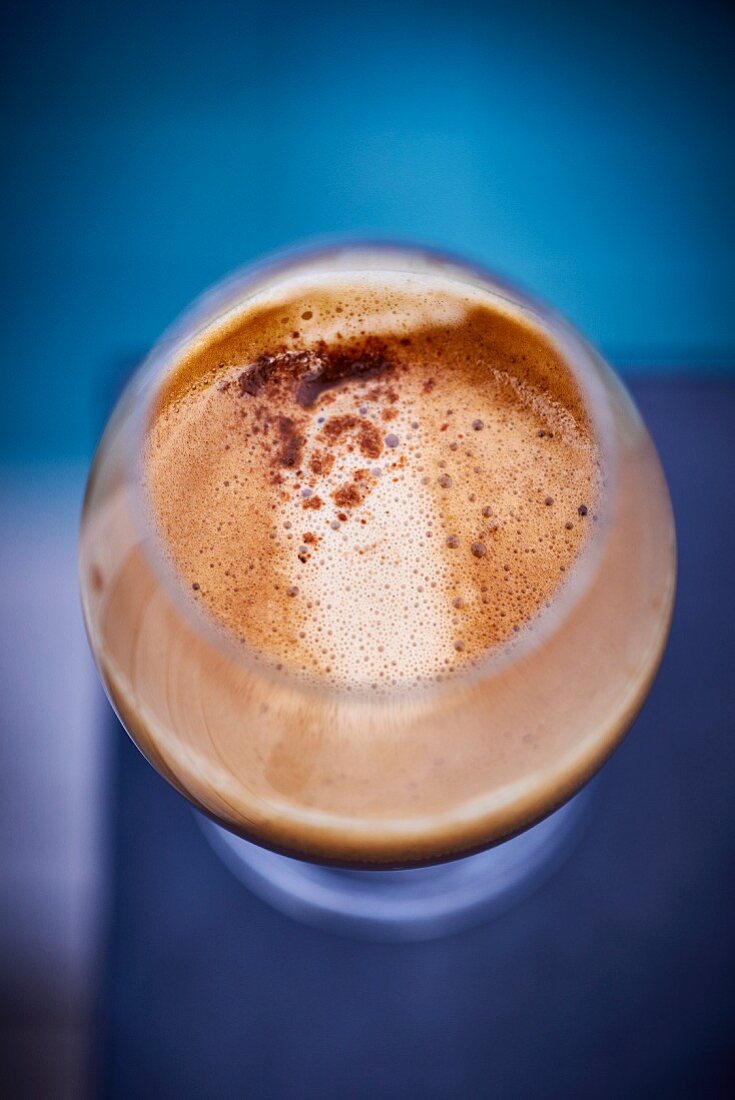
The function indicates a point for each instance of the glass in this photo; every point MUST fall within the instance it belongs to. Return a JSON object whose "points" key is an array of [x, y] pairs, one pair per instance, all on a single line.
{"points": [[213, 721]]}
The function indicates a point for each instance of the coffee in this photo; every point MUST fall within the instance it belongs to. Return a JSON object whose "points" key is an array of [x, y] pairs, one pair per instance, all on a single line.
{"points": [[377, 558], [372, 481]]}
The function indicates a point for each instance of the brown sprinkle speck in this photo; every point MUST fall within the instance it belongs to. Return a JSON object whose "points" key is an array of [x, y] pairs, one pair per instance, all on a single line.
{"points": [[479, 549], [582, 509]]}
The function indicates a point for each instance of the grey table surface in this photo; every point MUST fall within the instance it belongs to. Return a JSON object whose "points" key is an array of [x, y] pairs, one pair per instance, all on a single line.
{"points": [[616, 978]]}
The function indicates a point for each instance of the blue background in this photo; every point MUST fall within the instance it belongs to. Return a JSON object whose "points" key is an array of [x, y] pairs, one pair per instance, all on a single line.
{"points": [[584, 150]]}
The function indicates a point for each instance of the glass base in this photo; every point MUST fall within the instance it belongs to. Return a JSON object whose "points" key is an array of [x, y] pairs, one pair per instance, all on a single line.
{"points": [[418, 904]]}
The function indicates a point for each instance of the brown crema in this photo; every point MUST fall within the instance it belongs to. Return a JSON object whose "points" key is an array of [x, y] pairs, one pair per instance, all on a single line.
{"points": [[372, 483]]}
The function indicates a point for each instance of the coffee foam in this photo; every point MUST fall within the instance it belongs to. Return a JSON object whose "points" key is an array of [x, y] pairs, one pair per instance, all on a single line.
{"points": [[372, 479]]}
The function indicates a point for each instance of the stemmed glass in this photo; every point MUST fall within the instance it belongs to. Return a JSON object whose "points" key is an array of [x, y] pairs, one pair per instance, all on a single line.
{"points": [[518, 737]]}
